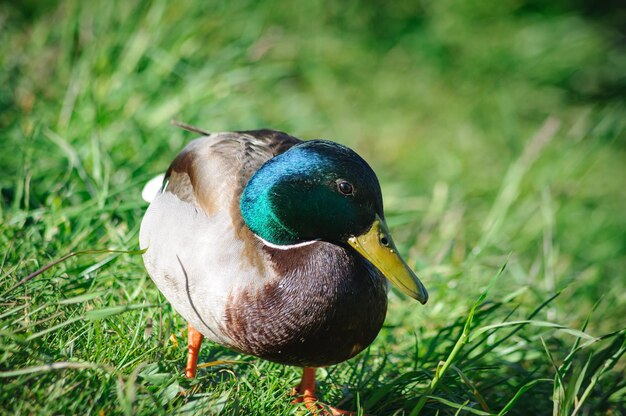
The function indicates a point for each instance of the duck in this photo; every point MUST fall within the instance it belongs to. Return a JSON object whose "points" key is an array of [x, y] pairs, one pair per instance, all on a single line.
{"points": [[274, 247]]}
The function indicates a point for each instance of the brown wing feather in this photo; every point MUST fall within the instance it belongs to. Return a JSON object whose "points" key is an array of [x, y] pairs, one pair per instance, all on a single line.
{"points": [[212, 172]]}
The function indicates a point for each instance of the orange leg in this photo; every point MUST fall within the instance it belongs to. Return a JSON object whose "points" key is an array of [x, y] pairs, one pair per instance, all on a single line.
{"points": [[193, 349], [306, 391]]}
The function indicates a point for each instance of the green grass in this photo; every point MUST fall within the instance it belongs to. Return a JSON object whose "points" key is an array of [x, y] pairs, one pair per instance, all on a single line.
{"points": [[497, 128]]}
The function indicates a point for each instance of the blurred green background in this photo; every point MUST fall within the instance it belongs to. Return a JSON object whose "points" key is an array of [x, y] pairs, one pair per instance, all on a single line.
{"points": [[497, 129]]}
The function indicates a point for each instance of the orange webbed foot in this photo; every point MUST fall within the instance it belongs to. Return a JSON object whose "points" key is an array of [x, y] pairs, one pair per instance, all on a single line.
{"points": [[306, 395], [194, 342]]}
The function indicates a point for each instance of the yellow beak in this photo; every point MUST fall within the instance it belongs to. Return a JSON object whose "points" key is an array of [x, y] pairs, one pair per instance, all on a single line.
{"points": [[377, 246]]}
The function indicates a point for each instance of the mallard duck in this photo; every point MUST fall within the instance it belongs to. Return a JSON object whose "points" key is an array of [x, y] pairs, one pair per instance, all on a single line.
{"points": [[275, 247]]}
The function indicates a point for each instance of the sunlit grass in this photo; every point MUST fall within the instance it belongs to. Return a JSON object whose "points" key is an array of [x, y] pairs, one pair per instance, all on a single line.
{"points": [[493, 127]]}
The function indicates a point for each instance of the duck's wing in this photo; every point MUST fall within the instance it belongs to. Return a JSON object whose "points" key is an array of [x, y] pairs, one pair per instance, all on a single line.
{"points": [[198, 247], [211, 172]]}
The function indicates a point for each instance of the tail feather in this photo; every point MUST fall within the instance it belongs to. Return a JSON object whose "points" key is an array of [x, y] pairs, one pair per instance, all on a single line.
{"points": [[152, 188], [190, 128]]}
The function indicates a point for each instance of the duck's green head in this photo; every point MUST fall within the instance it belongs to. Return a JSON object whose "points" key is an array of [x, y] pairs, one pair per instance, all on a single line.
{"points": [[320, 190]]}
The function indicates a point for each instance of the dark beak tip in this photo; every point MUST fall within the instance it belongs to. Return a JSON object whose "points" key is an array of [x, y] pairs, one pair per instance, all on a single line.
{"points": [[425, 298]]}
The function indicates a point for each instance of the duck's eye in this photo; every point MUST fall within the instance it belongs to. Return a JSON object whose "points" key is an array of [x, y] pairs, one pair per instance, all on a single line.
{"points": [[345, 187]]}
